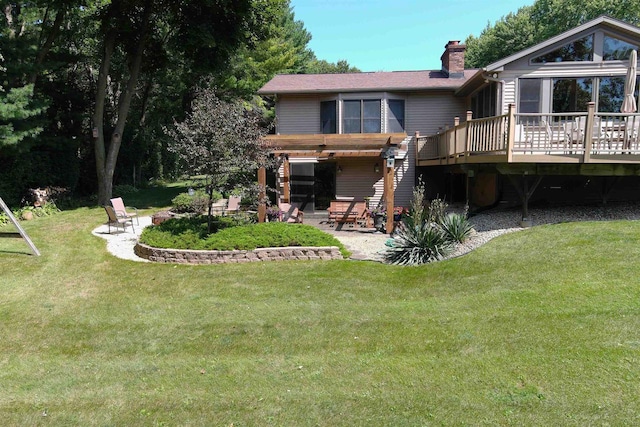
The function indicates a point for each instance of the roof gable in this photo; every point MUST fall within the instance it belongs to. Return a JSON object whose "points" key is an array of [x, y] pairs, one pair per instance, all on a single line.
{"points": [[602, 21]]}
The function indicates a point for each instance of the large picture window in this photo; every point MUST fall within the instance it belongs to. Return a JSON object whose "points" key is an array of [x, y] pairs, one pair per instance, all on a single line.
{"points": [[361, 116], [572, 95], [328, 116], [396, 115]]}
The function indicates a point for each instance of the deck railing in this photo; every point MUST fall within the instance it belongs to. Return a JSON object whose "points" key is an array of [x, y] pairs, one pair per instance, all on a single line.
{"points": [[583, 135]]}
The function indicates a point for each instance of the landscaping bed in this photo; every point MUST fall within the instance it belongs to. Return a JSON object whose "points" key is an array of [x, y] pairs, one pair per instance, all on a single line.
{"points": [[187, 240]]}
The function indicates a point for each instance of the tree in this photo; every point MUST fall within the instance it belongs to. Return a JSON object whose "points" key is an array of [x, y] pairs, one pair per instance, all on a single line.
{"points": [[15, 107], [541, 21], [320, 66], [223, 140], [199, 33]]}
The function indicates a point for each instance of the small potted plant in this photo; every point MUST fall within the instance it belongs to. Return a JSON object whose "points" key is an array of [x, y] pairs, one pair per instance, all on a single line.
{"points": [[379, 215], [273, 213]]}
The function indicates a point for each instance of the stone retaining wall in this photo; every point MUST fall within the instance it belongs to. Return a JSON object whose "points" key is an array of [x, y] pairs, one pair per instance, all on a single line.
{"points": [[185, 256]]}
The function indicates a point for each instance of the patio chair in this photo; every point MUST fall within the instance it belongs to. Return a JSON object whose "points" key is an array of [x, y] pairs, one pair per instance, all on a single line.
{"points": [[233, 205], [121, 210], [290, 213], [114, 219]]}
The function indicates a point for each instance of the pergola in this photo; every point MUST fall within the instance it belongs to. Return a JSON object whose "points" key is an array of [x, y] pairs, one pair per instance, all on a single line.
{"points": [[332, 146]]}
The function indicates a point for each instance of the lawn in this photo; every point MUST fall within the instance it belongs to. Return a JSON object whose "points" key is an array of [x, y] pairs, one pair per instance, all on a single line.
{"points": [[540, 327]]}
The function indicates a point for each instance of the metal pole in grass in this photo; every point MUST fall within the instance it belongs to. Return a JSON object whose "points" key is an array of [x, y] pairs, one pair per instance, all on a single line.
{"points": [[15, 222]]}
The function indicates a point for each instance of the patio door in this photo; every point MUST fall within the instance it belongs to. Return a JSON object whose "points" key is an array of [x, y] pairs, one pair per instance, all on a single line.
{"points": [[302, 182]]}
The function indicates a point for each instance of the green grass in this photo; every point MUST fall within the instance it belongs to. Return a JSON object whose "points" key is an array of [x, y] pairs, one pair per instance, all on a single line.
{"points": [[540, 327]]}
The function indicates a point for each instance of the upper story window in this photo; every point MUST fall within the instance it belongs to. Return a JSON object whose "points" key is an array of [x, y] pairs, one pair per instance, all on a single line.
{"points": [[396, 115], [328, 117], [577, 50], [616, 49], [361, 116]]}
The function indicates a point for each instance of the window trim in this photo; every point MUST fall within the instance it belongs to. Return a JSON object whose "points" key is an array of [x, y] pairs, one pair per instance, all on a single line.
{"points": [[362, 117]]}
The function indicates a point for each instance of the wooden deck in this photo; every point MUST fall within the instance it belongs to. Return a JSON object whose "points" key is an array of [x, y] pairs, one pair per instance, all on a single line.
{"points": [[568, 138]]}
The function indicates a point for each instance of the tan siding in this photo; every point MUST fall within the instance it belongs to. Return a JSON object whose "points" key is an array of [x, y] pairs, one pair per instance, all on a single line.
{"points": [[509, 94], [298, 114], [427, 113], [405, 176], [358, 180]]}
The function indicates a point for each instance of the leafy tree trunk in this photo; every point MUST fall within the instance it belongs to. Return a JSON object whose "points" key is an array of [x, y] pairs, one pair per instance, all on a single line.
{"points": [[106, 157]]}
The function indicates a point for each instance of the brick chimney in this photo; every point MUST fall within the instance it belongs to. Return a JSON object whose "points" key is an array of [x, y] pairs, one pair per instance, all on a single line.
{"points": [[453, 59]]}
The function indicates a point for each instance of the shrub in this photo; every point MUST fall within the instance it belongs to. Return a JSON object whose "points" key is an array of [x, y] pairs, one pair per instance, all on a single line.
{"points": [[196, 203], [418, 244], [37, 211], [190, 233], [457, 227], [124, 189]]}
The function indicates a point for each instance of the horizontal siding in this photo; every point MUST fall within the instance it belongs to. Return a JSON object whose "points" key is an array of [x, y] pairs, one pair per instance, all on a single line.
{"points": [[358, 180], [405, 176], [427, 113], [509, 97], [298, 115]]}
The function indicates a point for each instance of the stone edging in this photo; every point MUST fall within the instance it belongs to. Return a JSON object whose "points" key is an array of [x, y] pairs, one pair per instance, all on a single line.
{"points": [[186, 256]]}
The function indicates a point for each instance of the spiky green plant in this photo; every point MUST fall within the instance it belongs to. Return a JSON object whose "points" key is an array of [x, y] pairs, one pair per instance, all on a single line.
{"points": [[457, 227], [418, 244], [437, 211]]}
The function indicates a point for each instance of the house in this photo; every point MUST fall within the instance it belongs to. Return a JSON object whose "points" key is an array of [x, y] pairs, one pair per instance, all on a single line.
{"points": [[546, 123], [543, 121], [348, 136]]}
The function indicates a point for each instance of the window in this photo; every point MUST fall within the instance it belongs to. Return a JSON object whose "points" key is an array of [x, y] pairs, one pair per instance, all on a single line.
{"points": [[571, 95], [616, 49], [361, 116], [396, 115], [610, 94], [577, 50], [530, 90], [351, 117], [328, 116]]}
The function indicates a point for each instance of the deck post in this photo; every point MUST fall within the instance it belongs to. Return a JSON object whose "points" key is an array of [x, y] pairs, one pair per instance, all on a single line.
{"points": [[467, 137], [262, 203], [456, 123], [588, 132], [511, 132], [286, 196]]}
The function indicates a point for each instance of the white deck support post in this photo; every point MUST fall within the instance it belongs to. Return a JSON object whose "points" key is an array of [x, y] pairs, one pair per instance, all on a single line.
{"points": [[511, 132], [588, 132], [15, 222]]}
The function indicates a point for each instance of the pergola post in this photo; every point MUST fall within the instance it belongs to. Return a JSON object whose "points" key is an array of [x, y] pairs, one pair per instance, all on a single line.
{"points": [[286, 172], [262, 202], [389, 194]]}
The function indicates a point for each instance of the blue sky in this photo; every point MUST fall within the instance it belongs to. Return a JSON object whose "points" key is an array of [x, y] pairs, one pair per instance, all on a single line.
{"points": [[395, 35]]}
